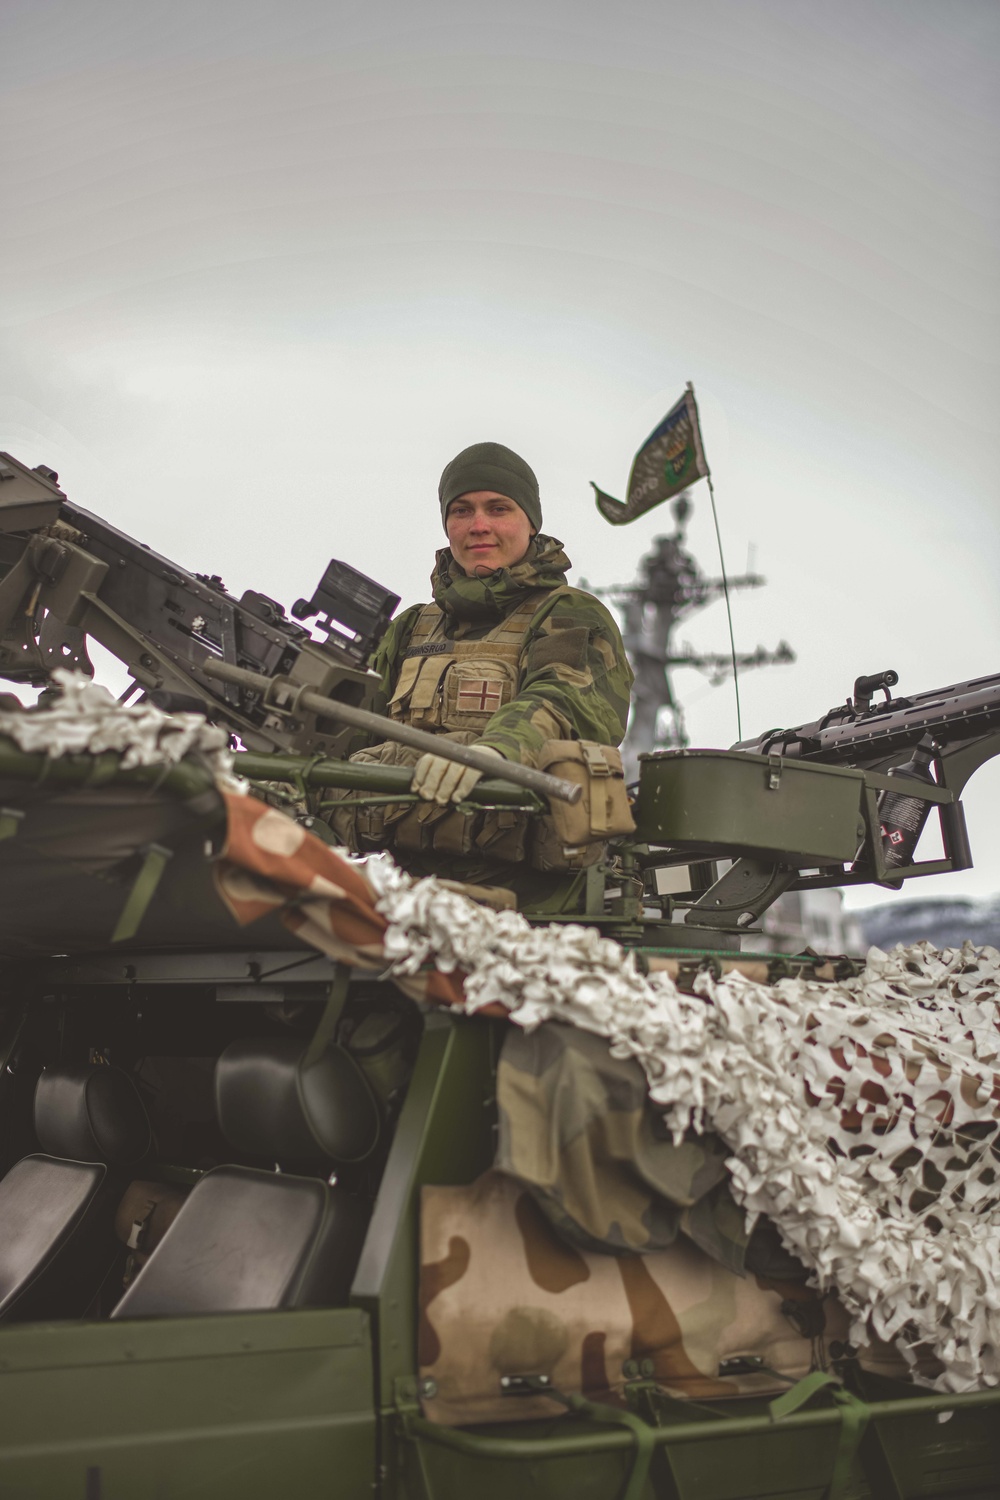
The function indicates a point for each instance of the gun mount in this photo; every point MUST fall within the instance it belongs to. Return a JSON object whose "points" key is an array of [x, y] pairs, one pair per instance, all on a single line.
{"points": [[807, 807]]}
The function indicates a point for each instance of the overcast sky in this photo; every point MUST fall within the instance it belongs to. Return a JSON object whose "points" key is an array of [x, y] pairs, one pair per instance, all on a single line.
{"points": [[266, 267]]}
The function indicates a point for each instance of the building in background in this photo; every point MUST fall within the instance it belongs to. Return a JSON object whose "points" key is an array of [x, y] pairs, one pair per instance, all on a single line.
{"points": [[817, 919], [945, 921], [810, 919]]}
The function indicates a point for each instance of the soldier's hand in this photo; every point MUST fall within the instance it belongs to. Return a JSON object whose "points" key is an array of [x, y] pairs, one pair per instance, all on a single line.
{"points": [[443, 781]]}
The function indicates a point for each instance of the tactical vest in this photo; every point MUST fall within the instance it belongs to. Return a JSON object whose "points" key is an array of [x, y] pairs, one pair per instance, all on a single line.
{"points": [[446, 685], [454, 688]]}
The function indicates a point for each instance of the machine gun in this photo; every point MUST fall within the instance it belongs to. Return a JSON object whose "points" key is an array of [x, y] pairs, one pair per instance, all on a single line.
{"points": [[838, 801], [71, 575], [190, 645]]}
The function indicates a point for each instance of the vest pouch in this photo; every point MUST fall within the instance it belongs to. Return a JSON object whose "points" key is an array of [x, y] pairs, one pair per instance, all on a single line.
{"points": [[455, 833], [503, 835], [418, 696], [572, 836], [550, 851], [404, 687], [366, 828], [497, 835], [414, 832]]}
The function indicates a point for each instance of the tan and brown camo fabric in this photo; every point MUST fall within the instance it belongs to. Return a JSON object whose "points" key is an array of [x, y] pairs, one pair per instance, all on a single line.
{"points": [[502, 1295]]}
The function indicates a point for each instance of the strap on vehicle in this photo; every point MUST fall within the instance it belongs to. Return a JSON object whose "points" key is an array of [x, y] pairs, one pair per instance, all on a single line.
{"points": [[330, 1019], [10, 821], [854, 1415], [142, 892]]}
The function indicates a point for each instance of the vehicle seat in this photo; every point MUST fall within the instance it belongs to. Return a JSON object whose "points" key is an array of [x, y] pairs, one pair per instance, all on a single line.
{"points": [[57, 1208], [248, 1238]]}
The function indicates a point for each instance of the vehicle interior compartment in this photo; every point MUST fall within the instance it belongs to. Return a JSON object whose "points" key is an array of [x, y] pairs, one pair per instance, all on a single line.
{"points": [[243, 1140]]}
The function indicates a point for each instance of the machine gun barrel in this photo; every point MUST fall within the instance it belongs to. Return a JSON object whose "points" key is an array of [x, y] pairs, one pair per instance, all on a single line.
{"points": [[365, 777], [280, 694]]}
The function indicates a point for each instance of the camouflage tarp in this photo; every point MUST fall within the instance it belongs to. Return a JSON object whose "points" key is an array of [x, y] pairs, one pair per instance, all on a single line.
{"points": [[502, 1295], [577, 1128], [271, 866]]}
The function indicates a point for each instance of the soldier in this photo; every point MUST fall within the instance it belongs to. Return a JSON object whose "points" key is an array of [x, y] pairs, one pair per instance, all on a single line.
{"points": [[507, 657]]}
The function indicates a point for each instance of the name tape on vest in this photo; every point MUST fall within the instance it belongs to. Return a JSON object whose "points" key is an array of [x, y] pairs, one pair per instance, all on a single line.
{"points": [[429, 648]]}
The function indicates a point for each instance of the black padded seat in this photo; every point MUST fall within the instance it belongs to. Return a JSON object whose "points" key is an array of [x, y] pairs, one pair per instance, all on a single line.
{"points": [[248, 1239], [57, 1240]]}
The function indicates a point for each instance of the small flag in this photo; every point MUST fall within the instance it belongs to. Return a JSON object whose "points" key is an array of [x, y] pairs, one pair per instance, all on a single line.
{"points": [[480, 695], [670, 459]]}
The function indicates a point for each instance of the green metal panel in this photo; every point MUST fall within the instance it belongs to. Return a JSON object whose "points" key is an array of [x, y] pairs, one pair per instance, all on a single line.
{"points": [[732, 803], [252, 1405], [738, 1450], [445, 1134]]}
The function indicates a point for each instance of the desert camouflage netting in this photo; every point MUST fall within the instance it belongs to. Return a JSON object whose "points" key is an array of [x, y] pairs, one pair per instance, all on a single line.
{"points": [[87, 719]]}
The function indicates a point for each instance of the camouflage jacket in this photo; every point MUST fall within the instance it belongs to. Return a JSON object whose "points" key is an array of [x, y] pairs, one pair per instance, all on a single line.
{"points": [[572, 679]]}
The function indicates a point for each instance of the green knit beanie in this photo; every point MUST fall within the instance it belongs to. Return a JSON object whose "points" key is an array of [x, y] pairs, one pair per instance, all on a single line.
{"points": [[491, 466]]}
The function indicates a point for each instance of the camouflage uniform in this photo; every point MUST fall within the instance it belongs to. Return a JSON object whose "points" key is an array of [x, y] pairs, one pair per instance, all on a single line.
{"points": [[509, 661], [572, 679]]}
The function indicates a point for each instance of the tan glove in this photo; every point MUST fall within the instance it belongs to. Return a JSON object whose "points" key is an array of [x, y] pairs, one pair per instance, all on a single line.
{"points": [[443, 781]]}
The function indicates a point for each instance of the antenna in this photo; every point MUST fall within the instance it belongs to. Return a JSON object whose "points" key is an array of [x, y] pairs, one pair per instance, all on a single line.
{"points": [[729, 613]]}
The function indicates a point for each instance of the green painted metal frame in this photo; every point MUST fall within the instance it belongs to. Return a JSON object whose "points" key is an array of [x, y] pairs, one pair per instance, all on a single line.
{"points": [[184, 779], [726, 802], [445, 1134], [849, 1413], [253, 1404]]}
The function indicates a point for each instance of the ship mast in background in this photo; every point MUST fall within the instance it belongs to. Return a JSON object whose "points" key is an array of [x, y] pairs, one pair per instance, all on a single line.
{"points": [[670, 586]]}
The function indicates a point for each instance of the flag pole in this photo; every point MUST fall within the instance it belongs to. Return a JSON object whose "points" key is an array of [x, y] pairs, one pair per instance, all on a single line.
{"points": [[703, 464]]}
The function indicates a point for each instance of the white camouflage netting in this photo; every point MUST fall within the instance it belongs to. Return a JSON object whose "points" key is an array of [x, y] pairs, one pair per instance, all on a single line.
{"points": [[860, 1114], [87, 719]]}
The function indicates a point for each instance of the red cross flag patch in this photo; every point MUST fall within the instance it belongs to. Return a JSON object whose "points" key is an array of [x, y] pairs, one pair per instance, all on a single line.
{"points": [[479, 695]]}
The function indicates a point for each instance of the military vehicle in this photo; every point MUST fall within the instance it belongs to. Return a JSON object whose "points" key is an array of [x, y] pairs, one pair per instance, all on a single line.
{"points": [[216, 1139]]}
